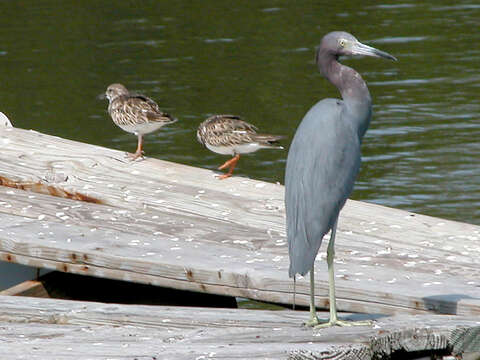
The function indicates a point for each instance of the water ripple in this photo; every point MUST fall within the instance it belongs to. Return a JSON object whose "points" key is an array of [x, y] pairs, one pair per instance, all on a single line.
{"points": [[399, 39], [272, 9], [408, 81], [393, 6], [152, 43], [219, 40], [456, 7], [173, 59]]}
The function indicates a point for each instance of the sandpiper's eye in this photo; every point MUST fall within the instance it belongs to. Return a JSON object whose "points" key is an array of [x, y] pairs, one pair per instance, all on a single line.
{"points": [[342, 43]]}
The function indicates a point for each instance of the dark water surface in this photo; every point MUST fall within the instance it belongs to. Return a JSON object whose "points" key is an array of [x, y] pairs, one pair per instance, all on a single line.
{"points": [[255, 59]]}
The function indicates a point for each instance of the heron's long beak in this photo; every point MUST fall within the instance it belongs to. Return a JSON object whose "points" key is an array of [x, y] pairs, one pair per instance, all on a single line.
{"points": [[102, 96], [361, 49]]}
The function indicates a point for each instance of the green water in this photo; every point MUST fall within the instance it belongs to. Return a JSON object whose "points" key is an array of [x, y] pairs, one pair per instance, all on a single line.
{"points": [[255, 59]]}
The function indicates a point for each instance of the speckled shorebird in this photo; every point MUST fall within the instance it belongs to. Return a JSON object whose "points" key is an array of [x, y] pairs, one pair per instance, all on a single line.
{"points": [[135, 114], [229, 135]]}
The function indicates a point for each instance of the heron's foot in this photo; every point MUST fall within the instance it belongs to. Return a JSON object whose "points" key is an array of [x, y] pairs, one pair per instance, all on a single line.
{"points": [[313, 322], [343, 323]]}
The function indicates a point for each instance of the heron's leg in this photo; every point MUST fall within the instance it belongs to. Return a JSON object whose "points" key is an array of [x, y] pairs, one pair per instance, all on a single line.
{"points": [[313, 311], [231, 164], [331, 274], [331, 284], [139, 151]]}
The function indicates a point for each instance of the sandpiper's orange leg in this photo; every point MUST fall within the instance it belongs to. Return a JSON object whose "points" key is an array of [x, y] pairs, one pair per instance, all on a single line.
{"points": [[139, 151], [231, 164]]}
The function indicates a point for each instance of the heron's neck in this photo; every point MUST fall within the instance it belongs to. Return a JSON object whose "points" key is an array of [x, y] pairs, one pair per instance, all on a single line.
{"points": [[353, 88]]}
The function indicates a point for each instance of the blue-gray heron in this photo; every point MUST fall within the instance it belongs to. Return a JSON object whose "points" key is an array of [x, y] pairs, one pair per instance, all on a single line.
{"points": [[324, 160]]}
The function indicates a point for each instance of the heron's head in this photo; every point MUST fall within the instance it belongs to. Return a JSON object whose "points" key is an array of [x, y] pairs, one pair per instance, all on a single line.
{"points": [[114, 91], [340, 43]]}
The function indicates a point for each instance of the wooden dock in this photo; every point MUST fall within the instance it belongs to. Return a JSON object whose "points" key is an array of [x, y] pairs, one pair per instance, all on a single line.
{"points": [[172, 225], [37, 329]]}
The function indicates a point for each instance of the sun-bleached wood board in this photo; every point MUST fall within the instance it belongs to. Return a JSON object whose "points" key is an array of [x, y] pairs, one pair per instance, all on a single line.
{"points": [[46, 328], [173, 225], [31, 288]]}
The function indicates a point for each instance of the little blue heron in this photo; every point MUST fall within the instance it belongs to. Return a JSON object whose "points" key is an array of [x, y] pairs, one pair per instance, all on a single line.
{"points": [[230, 135], [135, 114], [323, 162]]}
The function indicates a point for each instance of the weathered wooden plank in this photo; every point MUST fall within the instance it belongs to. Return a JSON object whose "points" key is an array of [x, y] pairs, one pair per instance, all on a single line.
{"points": [[37, 328], [58, 285], [173, 225], [31, 288]]}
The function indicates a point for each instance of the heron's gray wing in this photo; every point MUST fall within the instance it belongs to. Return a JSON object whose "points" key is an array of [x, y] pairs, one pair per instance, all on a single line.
{"points": [[323, 162]]}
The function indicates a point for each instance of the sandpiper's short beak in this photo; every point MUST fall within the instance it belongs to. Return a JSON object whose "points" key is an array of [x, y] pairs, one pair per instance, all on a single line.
{"points": [[361, 49], [102, 96]]}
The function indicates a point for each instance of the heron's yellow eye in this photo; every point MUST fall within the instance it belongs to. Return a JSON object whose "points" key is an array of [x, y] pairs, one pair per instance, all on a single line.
{"points": [[342, 42]]}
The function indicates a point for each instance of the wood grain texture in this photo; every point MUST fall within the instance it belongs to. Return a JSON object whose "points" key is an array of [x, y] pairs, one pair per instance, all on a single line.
{"points": [[30, 288], [39, 328], [177, 226]]}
